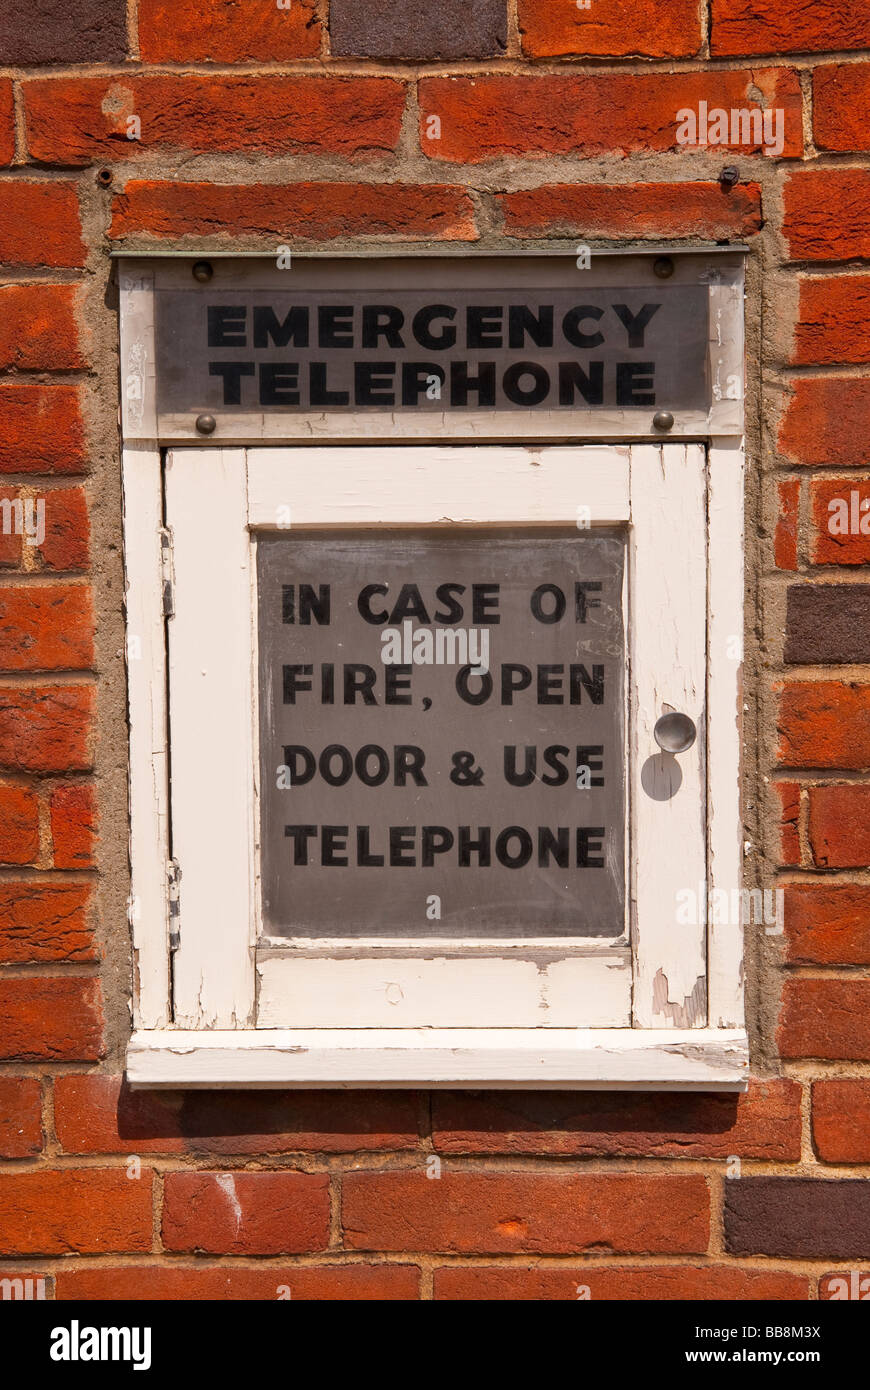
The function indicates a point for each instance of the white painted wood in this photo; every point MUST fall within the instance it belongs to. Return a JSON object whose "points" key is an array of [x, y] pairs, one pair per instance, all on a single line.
{"points": [[138, 358], [146, 686], [428, 945], [668, 663], [211, 720], [337, 487], [443, 992], [214, 818], [713, 1059], [724, 759], [422, 486], [247, 427]]}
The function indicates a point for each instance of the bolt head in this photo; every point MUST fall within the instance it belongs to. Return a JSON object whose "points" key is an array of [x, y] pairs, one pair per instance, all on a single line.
{"points": [[206, 424], [663, 420], [674, 732], [663, 267], [203, 271]]}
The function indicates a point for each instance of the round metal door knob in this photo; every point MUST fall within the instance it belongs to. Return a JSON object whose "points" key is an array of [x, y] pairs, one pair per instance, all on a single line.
{"points": [[675, 733]]}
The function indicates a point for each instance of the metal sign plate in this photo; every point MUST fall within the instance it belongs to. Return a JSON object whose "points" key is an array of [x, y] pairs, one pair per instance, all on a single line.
{"points": [[484, 347]]}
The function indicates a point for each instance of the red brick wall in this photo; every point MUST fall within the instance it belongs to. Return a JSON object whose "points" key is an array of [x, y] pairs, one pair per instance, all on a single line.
{"points": [[308, 125]]}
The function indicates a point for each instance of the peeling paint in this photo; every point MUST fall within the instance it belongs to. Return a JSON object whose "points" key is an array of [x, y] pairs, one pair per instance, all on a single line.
{"points": [[691, 1013]]}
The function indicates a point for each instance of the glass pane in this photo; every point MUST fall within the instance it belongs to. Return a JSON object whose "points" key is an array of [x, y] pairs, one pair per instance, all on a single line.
{"points": [[442, 734]]}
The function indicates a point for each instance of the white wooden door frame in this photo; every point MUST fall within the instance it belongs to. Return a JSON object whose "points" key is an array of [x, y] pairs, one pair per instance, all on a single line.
{"points": [[669, 1044]]}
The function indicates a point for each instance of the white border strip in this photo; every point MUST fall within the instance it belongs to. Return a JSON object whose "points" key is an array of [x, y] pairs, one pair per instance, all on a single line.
{"points": [[497, 1058]]}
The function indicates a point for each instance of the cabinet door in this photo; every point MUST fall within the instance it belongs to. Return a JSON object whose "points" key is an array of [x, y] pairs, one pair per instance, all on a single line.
{"points": [[415, 780]]}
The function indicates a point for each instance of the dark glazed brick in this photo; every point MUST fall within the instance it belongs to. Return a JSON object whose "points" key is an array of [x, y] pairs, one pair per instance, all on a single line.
{"points": [[407, 29], [62, 31], [799, 1217], [828, 623]]}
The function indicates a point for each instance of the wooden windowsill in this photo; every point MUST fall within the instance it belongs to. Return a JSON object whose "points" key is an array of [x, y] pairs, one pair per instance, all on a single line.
{"points": [[702, 1059]]}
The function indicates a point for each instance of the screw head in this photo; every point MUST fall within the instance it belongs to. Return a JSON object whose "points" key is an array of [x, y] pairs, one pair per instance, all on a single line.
{"points": [[729, 176], [203, 271], [206, 424], [663, 267], [663, 420], [674, 732]]}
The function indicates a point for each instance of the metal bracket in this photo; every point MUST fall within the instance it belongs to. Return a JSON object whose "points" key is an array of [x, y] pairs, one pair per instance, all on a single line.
{"points": [[173, 876], [168, 572]]}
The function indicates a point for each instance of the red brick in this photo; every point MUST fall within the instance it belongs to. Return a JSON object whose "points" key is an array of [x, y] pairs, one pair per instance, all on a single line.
{"points": [[834, 321], [834, 546], [46, 627], [524, 1213], [38, 329], [46, 729], [827, 923], [824, 724], [220, 31], [785, 540], [246, 1213], [829, 1019], [51, 1019], [41, 430], [462, 1283], [7, 122], [485, 117], [11, 529], [841, 100], [74, 826], [839, 826], [20, 1117], [67, 530], [841, 1121], [334, 1283], [827, 214], [825, 422], [293, 1121], [610, 29], [763, 1123], [19, 826], [40, 224], [96, 1114], [75, 121], [45, 921], [89, 1211], [787, 797], [788, 26], [302, 210], [638, 210]]}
